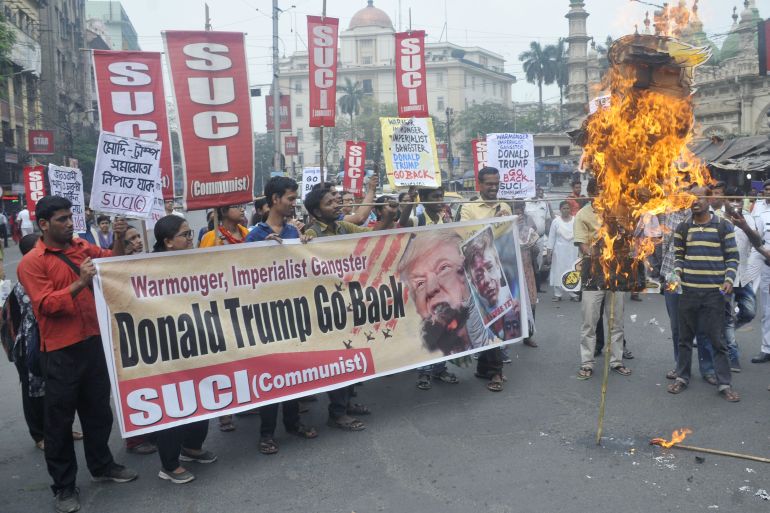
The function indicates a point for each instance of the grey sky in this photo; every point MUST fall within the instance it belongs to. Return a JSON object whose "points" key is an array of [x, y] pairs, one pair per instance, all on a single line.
{"points": [[503, 26]]}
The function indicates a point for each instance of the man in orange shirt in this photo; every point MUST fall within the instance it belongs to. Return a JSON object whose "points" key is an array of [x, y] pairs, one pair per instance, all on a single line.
{"points": [[575, 199], [57, 275]]}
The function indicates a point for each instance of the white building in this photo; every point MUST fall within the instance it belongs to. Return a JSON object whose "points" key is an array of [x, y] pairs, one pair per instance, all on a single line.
{"points": [[456, 77]]}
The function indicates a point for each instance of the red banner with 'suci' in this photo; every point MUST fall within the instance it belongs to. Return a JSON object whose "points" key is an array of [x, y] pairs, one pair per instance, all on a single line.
{"points": [[211, 89], [34, 187], [411, 89], [322, 54], [479, 151], [132, 102], [355, 157]]}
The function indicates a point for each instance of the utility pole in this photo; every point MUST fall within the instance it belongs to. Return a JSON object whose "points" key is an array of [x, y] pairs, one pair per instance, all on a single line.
{"points": [[276, 94], [208, 18], [449, 113]]}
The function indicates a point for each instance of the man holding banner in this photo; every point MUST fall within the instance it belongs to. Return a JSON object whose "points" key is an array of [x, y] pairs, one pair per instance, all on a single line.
{"points": [[490, 364], [57, 276]]}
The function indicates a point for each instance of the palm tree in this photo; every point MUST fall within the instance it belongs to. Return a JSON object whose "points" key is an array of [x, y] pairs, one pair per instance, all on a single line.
{"points": [[558, 53], [539, 69], [350, 102]]}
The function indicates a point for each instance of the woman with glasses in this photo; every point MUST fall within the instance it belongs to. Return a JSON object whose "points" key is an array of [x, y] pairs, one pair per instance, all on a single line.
{"points": [[180, 443]]}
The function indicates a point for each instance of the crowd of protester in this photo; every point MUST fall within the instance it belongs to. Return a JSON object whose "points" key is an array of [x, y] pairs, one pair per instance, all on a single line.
{"points": [[710, 259]]}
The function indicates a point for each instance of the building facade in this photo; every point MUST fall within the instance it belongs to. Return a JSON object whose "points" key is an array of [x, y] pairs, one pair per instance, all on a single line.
{"points": [[457, 77], [20, 107], [113, 19]]}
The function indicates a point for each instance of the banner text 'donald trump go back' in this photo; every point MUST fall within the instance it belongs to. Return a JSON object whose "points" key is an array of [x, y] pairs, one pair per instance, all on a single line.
{"points": [[196, 334]]}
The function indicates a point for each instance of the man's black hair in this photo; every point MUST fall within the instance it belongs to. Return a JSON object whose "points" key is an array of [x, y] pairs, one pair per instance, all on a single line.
{"points": [[48, 205], [28, 242], [278, 185], [488, 170], [423, 192], [101, 218], [313, 199]]}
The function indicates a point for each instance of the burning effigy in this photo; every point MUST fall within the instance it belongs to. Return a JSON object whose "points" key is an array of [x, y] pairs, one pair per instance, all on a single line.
{"points": [[636, 147]]}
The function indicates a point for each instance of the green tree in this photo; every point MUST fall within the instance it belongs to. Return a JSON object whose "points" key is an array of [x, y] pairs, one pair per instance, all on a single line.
{"points": [[350, 101], [558, 53], [539, 69], [84, 143], [7, 40], [481, 119], [263, 161]]}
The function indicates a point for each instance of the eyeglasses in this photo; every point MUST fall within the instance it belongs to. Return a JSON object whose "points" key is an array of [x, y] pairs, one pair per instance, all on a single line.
{"points": [[186, 234]]}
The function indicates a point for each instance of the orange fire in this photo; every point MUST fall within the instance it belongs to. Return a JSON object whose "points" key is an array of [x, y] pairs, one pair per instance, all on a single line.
{"points": [[676, 437], [637, 148]]}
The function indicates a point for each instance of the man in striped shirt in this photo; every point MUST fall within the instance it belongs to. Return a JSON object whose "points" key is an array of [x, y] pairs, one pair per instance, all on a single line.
{"points": [[706, 262]]}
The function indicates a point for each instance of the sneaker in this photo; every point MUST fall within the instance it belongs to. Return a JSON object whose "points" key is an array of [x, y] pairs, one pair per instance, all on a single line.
{"points": [[203, 457], [68, 500], [143, 448], [183, 477], [507, 359], [117, 474]]}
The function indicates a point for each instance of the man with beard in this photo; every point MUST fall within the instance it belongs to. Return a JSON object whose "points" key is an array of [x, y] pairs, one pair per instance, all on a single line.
{"points": [[323, 205], [490, 364], [432, 268], [57, 275]]}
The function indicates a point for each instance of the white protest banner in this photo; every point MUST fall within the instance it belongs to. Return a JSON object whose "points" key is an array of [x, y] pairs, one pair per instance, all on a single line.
{"points": [[411, 158], [513, 155], [600, 102], [67, 182], [125, 173], [310, 177], [158, 205]]}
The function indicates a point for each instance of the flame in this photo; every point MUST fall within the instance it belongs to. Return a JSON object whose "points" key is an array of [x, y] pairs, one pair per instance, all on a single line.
{"points": [[637, 149], [676, 437], [672, 21]]}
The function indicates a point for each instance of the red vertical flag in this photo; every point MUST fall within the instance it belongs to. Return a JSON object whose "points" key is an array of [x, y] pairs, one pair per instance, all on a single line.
{"points": [[211, 89], [411, 89], [34, 186], [290, 145], [322, 54], [132, 102], [284, 113], [355, 159], [479, 151]]}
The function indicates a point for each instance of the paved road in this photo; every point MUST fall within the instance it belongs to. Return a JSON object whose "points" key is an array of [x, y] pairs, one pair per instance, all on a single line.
{"points": [[461, 448]]}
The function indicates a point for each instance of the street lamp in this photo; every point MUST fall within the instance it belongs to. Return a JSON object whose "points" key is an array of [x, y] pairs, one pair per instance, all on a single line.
{"points": [[449, 113]]}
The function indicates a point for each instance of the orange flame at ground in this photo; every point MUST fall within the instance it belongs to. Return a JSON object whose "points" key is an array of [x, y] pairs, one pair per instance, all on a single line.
{"points": [[676, 437], [637, 149]]}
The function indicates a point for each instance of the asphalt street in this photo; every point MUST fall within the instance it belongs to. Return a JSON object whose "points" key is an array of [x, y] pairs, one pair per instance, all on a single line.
{"points": [[460, 448]]}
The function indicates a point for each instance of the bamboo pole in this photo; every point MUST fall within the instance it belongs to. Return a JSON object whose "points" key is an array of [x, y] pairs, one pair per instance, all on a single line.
{"points": [[713, 451], [607, 357]]}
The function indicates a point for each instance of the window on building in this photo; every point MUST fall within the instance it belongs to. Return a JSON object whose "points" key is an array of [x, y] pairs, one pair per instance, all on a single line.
{"points": [[298, 86], [301, 159], [317, 157], [483, 60], [440, 103], [563, 150], [473, 83], [7, 134], [494, 88], [538, 151], [366, 60], [439, 79], [298, 110], [366, 51], [465, 80], [366, 85], [548, 151], [299, 134]]}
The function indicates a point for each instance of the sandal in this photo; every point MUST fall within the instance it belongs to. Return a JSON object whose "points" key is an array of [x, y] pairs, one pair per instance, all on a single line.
{"points": [[676, 387], [710, 379], [671, 374], [447, 377], [302, 431], [585, 373], [423, 382], [226, 424], [347, 423], [730, 395], [487, 375], [622, 370], [268, 446], [496, 383], [358, 409]]}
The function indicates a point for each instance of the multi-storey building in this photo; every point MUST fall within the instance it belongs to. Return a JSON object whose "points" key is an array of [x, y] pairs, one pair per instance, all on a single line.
{"points": [[120, 32]]}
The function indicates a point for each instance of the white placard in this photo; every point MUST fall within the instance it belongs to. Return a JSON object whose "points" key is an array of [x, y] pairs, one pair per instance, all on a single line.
{"points": [[126, 172], [67, 182], [514, 156], [310, 177]]}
